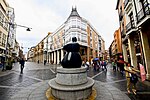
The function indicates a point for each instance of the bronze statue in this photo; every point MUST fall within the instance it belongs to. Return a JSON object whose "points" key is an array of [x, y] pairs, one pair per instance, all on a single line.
{"points": [[72, 58]]}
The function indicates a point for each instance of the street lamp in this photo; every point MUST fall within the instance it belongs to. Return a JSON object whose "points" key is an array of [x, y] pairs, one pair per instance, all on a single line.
{"points": [[9, 30]]}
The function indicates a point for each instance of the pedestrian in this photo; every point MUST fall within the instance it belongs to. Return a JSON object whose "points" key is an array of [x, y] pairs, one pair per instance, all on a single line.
{"points": [[38, 61], [121, 66], [131, 78], [94, 65], [105, 64], [83, 63], [102, 64], [87, 64], [3, 63], [45, 62], [114, 64], [22, 62]]}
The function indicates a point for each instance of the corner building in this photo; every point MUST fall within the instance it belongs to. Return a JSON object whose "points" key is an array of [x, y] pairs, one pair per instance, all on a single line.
{"points": [[91, 43]]}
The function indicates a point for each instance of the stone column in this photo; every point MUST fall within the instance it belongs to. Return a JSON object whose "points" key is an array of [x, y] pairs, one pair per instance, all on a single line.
{"points": [[52, 54], [132, 51], [125, 53], [62, 54], [146, 51], [57, 56]]}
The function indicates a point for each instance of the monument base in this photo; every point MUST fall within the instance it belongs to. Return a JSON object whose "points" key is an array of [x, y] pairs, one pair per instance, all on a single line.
{"points": [[71, 84]]}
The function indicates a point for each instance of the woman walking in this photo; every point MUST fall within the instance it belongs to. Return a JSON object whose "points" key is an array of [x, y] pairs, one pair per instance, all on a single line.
{"points": [[131, 78]]}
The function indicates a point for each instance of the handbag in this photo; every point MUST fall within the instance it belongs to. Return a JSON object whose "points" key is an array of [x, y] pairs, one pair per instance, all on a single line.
{"points": [[133, 78]]}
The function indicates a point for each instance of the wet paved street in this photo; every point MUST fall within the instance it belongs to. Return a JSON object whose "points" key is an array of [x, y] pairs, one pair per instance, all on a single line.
{"points": [[11, 81]]}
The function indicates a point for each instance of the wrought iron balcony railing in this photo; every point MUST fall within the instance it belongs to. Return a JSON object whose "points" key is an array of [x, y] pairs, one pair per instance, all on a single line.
{"points": [[130, 26], [143, 13], [126, 3]]}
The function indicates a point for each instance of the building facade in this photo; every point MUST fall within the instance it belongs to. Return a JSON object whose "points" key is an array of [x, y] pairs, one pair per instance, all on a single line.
{"points": [[7, 31], [134, 18], [3, 28], [91, 43], [115, 48]]}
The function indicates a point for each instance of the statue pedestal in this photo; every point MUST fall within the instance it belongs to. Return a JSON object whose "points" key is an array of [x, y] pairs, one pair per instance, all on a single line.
{"points": [[71, 84]]}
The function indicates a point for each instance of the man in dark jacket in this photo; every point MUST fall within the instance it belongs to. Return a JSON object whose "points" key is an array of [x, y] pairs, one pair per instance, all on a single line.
{"points": [[22, 62]]}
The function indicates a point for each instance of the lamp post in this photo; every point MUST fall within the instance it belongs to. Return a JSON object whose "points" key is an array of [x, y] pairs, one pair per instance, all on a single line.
{"points": [[11, 25]]}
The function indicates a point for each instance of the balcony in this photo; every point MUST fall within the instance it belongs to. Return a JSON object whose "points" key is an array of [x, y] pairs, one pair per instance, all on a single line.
{"points": [[143, 15], [127, 5], [130, 27]]}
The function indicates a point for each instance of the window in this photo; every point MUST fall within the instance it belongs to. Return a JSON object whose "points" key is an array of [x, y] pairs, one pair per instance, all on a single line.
{"points": [[1, 18], [79, 38], [131, 19], [84, 38], [0, 38], [83, 26], [4, 40]]}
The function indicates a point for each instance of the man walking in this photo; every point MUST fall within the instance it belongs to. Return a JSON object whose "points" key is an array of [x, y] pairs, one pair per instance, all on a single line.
{"points": [[22, 62]]}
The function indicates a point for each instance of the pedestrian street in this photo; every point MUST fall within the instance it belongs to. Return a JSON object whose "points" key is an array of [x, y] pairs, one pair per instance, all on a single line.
{"points": [[12, 82]]}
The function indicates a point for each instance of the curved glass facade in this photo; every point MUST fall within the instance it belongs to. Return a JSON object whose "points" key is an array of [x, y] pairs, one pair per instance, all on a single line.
{"points": [[75, 27]]}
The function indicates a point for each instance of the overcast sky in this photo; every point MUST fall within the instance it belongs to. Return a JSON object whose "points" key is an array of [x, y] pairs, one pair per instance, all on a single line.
{"points": [[47, 15]]}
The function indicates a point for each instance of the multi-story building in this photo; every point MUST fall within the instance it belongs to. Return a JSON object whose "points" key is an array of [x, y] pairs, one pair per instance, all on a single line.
{"points": [[15, 51], [118, 42], [91, 43], [135, 28], [3, 27], [115, 48], [12, 29], [112, 49], [7, 30], [106, 55], [30, 54]]}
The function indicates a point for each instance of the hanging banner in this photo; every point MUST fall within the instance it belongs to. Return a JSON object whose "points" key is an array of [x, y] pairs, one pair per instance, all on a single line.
{"points": [[142, 72]]}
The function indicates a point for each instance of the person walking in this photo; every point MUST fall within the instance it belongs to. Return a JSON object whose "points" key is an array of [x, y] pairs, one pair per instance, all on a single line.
{"points": [[3, 63], [45, 62], [131, 77], [105, 64], [94, 65], [22, 62], [38, 61], [121, 66], [114, 64]]}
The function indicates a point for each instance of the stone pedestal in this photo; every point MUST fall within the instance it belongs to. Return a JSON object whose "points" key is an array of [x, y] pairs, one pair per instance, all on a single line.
{"points": [[71, 84]]}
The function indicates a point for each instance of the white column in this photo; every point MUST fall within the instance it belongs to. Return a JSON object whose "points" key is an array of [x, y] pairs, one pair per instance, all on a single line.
{"points": [[125, 53], [146, 51], [58, 57], [55, 57], [52, 54], [62, 54], [132, 51]]}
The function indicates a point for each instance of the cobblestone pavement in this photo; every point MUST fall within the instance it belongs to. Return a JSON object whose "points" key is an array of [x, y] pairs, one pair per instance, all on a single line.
{"points": [[12, 82]]}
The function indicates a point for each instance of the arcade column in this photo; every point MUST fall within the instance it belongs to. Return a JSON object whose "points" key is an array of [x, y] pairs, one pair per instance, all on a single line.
{"points": [[132, 51], [146, 51]]}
